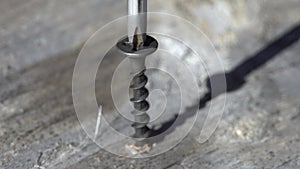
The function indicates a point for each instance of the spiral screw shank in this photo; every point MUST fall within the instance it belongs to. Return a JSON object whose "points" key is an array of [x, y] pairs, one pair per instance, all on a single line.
{"points": [[140, 94], [137, 55]]}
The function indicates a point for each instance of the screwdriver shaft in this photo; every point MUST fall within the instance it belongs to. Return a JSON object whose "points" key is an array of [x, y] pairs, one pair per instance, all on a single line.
{"points": [[137, 19]]}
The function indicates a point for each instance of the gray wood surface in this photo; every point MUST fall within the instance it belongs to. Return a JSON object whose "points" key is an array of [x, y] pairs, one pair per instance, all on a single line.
{"points": [[40, 41]]}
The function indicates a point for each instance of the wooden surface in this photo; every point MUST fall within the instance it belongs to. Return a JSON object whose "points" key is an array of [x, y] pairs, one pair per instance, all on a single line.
{"points": [[40, 41]]}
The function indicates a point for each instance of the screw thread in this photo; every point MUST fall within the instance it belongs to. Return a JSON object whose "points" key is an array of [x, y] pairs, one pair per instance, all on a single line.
{"points": [[141, 105]]}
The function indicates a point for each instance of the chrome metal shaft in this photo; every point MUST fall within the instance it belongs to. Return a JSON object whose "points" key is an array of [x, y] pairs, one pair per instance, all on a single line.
{"points": [[137, 19]]}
